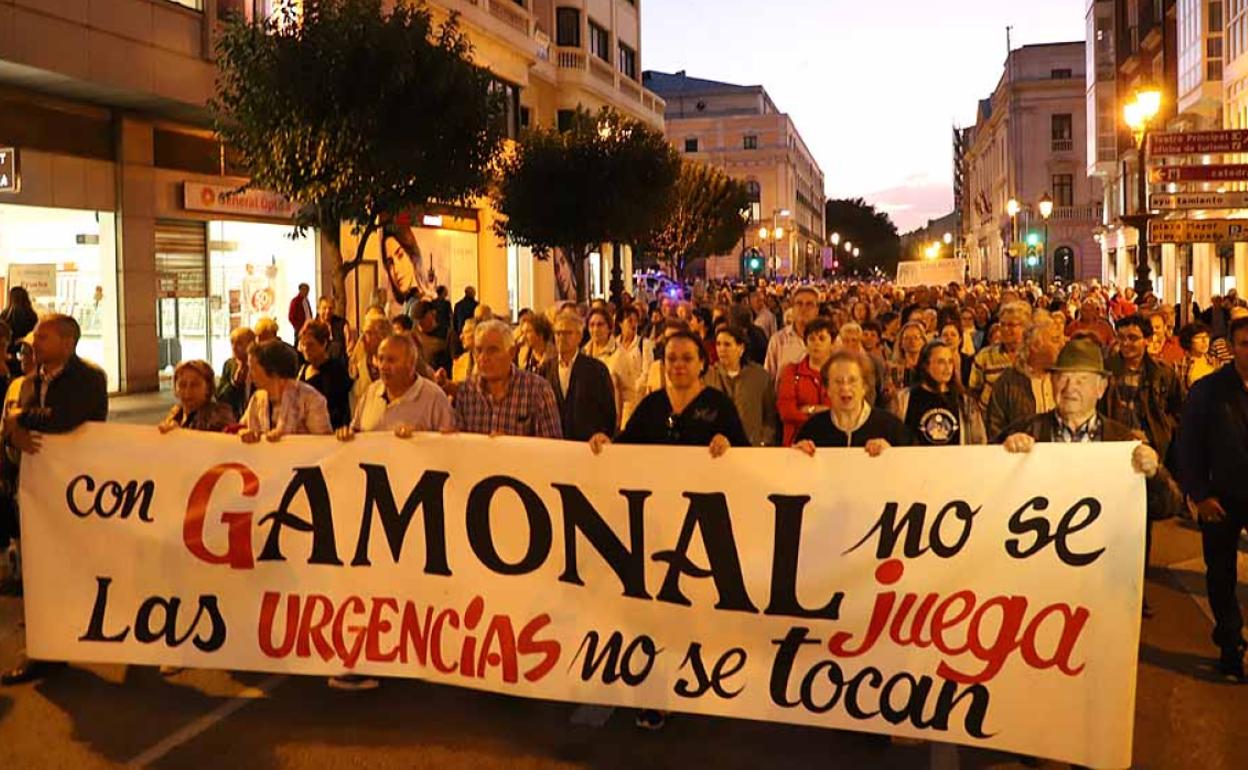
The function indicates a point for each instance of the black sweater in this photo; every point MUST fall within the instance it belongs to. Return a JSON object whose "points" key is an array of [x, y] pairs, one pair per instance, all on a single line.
{"points": [[880, 424]]}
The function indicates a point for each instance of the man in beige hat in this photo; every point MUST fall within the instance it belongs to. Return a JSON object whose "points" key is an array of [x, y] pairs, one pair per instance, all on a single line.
{"points": [[1079, 380]]}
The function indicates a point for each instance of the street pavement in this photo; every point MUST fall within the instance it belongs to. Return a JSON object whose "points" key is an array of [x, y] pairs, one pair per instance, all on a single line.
{"points": [[101, 716]]}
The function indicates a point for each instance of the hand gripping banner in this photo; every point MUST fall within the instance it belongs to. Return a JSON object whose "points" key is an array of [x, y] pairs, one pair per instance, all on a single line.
{"points": [[963, 595]]}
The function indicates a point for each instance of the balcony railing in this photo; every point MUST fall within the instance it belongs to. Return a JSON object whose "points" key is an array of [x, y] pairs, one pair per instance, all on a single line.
{"points": [[602, 70], [1063, 145], [1087, 213], [576, 60], [507, 11]]}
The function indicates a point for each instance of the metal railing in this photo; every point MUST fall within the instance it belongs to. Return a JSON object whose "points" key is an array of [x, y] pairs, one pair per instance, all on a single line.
{"points": [[1063, 145], [1090, 212]]}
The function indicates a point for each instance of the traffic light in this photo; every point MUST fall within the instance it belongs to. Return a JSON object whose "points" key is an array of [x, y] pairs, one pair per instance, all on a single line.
{"points": [[1033, 239], [756, 264]]}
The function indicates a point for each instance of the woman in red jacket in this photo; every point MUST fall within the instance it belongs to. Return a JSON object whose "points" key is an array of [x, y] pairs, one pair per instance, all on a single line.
{"points": [[799, 391]]}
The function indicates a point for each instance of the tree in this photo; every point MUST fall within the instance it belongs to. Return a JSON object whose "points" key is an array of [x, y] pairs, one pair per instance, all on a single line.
{"points": [[357, 114], [873, 232], [704, 217], [605, 179]]}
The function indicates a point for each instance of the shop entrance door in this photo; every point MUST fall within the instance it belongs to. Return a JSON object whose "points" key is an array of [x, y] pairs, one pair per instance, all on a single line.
{"points": [[181, 293]]}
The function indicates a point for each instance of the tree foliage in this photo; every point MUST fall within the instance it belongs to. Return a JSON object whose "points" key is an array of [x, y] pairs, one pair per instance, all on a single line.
{"points": [[357, 113], [872, 231], [704, 217], [606, 179]]}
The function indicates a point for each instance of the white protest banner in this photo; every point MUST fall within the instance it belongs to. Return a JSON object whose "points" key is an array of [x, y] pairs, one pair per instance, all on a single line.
{"points": [[963, 595], [931, 272]]}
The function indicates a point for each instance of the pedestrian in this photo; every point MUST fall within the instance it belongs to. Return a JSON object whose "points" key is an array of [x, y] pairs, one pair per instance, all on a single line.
{"points": [[788, 346], [20, 315], [341, 335], [1143, 394], [465, 308], [281, 405], [1220, 348], [501, 399], [1025, 389], [1197, 361], [463, 366], [234, 385], [300, 310], [582, 384], [361, 362], [325, 373], [1213, 467], [197, 407], [62, 394], [747, 384], [851, 421], [634, 354], [764, 319], [937, 411], [442, 311], [801, 392], [993, 360], [540, 345]]}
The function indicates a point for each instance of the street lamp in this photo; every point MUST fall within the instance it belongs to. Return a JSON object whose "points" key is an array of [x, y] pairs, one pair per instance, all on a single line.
{"points": [[1012, 208], [948, 238], [1046, 211], [1138, 113], [855, 251]]}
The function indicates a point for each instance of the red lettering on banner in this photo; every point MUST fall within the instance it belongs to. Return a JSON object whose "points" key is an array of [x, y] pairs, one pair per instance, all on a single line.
{"points": [[238, 523], [357, 630], [962, 611]]}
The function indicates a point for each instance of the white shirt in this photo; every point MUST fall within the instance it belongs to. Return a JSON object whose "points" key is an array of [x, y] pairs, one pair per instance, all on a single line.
{"points": [[423, 406], [786, 347], [565, 374], [766, 320]]}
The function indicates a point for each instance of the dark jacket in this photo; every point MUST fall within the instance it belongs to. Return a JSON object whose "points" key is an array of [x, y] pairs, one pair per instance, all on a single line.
{"points": [[1164, 499], [78, 394], [333, 382], [1160, 400], [589, 405], [235, 395], [1012, 400], [1213, 444], [464, 310]]}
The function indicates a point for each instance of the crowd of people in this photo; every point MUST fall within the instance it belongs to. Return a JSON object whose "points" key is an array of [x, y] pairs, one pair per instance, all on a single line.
{"points": [[729, 364]]}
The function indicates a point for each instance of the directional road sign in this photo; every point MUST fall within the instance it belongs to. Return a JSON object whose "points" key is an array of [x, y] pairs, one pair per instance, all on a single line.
{"points": [[1198, 143], [1166, 174], [1198, 230], [1198, 200]]}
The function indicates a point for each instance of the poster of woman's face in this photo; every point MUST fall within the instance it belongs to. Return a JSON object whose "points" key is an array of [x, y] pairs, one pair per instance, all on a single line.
{"points": [[565, 279], [403, 260]]}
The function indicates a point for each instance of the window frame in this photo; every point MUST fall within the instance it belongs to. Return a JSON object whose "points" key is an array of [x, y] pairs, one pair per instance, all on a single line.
{"points": [[599, 37], [563, 12]]}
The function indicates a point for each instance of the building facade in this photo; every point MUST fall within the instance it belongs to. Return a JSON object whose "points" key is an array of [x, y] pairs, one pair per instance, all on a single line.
{"points": [[1029, 142], [740, 130], [121, 217]]}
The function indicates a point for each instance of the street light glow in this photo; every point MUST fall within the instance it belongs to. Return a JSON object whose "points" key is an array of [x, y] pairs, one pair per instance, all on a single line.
{"points": [[1046, 206], [836, 239], [779, 233], [849, 246], [1012, 208], [762, 233], [948, 238]]}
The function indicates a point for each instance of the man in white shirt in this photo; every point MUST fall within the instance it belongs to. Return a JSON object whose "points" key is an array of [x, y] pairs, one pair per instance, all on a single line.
{"points": [[788, 346], [401, 400]]}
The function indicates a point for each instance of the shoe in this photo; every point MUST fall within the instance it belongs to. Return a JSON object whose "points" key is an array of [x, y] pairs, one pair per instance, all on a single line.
{"points": [[650, 719], [1231, 664], [171, 670], [29, 671], [353, 682]]}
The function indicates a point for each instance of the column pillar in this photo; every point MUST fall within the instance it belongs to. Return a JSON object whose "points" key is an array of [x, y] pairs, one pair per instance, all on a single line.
{"points": [[1203, 257], [1241, 269], [135, 227], [1167, 283]]}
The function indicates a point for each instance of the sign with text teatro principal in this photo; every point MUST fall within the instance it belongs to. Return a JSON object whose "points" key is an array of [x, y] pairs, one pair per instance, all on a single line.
{"points": [[225, 199], [1198, 230], [960, 594], [1198, 142], [1198, 200]]}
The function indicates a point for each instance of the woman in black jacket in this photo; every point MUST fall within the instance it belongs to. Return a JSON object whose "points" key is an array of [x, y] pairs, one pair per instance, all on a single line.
{"points": [[851, 422], [324, 372]]}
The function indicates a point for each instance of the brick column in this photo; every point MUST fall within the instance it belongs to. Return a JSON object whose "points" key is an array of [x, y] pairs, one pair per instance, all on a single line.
{"points": [[136, 260]]}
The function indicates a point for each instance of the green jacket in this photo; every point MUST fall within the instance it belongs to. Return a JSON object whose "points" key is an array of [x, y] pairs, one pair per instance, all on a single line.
{"points": [[1160, 400]]}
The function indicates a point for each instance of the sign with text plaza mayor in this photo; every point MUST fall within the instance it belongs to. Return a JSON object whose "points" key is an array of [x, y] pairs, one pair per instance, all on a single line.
{"points": [[1198, 142], [1198, 200], [1198, 230], [8, 170]]}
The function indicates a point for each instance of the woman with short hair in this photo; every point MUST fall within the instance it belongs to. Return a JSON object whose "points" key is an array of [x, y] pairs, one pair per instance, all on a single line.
{"points": [[197, 407], [851, 421], [327, 373], [281, 405], [747, 384]]}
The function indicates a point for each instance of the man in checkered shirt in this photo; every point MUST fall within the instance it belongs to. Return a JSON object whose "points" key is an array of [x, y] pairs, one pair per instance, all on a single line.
{"points": [[500, 399]]}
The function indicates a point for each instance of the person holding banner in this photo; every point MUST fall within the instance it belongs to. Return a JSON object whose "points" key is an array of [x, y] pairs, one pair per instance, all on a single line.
{"points": [[501, 399], [196, 408], [281, 404], [1213, 466], [401, 400], [60, 396], [851, 422]]}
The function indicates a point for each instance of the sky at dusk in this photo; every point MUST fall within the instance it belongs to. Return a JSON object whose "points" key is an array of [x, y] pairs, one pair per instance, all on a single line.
{"points": [[874, 87]]}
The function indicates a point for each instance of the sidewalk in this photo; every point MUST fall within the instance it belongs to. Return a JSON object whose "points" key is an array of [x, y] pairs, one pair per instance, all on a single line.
{"points": [[140, 408]]}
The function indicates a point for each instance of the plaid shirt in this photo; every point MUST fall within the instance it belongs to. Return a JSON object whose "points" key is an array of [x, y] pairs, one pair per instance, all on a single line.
{"points": [[528, 407], [1088, 432]]}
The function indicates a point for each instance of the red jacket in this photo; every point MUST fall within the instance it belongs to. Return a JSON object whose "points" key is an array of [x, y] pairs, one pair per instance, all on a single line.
{"points": [[297, 315], [799, 385]]}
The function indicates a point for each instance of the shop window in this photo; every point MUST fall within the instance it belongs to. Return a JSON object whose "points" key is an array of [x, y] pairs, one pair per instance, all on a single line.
{"points": [[568, 27], [67, 260], [1063, 190], [750, 142], [510, 97], [628, 62]]}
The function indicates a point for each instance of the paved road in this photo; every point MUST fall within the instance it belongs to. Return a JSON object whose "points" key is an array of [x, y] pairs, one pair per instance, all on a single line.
{"points": [[104, 716]]}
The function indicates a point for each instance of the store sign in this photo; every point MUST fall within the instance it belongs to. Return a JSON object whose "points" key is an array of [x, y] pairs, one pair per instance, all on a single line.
{"points": [[9, 182], [1198, 230], [1209, 200], [1167, 174], [39, 280], [224, 199], [1198, 142]]}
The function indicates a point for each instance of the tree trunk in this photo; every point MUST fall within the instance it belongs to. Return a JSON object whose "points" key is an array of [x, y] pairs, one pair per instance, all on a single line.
{"points": [[346, 266]]}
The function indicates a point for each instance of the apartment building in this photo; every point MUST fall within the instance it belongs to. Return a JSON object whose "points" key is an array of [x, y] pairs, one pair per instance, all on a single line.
{"points": [[1029, 144], [740, 130], [119, 215]]}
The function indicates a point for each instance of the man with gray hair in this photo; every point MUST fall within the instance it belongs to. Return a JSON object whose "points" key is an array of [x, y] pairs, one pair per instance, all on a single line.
{"points": [[400, 400], [500, 399], [1025, 389]]}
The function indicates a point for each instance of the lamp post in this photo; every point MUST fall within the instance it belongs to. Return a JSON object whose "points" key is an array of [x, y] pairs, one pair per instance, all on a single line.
{"points": [[1012, 208], [1138, 113], [835, 240], [1046, 211]]}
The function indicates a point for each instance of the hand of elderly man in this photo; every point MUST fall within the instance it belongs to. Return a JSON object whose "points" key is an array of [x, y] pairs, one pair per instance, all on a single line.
{"points": [[1019, 443]]}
